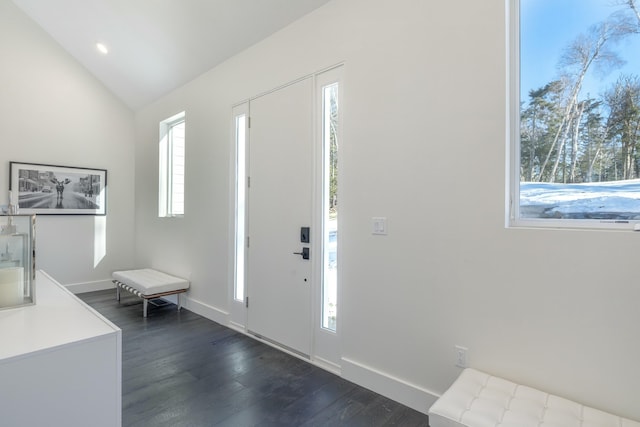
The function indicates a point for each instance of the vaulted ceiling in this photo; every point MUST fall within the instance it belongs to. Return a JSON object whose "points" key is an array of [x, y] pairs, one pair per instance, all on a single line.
{"points": [[156, 46]]}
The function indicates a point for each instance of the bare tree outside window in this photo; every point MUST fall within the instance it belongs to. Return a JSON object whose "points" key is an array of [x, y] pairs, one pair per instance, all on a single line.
{"points": [[579, 138]]}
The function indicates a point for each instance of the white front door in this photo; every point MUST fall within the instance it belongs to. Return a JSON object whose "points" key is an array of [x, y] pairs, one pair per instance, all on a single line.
{"points": [[279, 204]]}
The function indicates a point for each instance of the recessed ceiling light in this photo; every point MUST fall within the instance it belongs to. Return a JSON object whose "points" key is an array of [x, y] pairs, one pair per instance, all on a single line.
{"points": [[102, 48]]}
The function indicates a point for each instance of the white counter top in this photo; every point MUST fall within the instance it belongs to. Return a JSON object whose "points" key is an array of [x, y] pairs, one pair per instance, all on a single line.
{"points": [[55, 320]]}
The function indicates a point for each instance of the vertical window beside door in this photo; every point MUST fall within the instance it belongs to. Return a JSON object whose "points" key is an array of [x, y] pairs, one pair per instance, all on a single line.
{"points": [[172, 166], [330, 205], [240, 214]]}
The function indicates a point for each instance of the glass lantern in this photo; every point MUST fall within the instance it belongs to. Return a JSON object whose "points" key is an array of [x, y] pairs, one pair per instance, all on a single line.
{"points": [[17, 260]]}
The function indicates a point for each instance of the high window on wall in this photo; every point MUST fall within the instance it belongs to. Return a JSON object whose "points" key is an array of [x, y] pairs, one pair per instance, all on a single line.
{"points": [[330, 144], [172, 166], [575, 113]]}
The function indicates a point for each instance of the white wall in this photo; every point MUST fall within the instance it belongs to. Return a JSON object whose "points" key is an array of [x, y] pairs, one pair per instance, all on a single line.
{"points": [[53, 111], [424, 145]]}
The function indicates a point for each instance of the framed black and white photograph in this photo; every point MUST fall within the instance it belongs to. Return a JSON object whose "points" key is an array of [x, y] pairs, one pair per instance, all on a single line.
{"points": [[57, 190]]}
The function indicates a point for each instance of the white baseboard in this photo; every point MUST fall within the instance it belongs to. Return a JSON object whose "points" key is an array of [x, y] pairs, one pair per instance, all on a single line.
{"points": [[402, 391], [237, 327], [327, 365], [98, 285], [206, 310]]}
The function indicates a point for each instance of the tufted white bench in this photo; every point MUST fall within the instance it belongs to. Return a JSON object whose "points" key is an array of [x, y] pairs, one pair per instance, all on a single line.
{"points": [[149, 284], [477, 399]]}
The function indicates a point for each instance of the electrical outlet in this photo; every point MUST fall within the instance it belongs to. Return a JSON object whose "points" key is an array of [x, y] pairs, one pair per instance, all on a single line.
{"points": [[461, 356]]}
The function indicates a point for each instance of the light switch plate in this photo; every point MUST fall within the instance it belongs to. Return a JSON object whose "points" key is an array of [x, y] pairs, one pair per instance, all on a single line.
{"points": [[379, 225]]}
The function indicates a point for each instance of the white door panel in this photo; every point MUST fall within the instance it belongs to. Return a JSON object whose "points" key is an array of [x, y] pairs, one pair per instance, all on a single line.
{"points": [[280, 202]]}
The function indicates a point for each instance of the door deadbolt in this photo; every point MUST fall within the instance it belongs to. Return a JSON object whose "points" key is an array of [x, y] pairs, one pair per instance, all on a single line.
{"points": [[305, 235], [304, 253]]}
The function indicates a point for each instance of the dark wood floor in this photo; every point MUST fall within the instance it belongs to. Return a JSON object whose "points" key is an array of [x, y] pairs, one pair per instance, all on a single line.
{"points": [[181, 369]]}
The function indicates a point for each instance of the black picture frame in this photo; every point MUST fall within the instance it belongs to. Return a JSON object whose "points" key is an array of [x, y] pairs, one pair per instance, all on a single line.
{"points": [[42, 189]]}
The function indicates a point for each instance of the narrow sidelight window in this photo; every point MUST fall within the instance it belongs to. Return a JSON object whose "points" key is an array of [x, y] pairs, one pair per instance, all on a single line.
{"points": [[241, 185], [330, 205]]}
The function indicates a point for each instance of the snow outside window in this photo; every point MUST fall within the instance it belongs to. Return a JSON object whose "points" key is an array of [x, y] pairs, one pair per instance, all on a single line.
{"points": [[575, 113]]}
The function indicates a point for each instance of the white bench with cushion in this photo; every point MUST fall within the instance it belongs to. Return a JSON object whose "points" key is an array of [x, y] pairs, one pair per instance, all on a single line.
{"points": [[477, 399], [149, 284]]}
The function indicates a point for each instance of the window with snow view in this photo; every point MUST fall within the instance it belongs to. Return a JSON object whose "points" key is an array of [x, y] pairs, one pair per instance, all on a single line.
{"points": [[575, 115]]}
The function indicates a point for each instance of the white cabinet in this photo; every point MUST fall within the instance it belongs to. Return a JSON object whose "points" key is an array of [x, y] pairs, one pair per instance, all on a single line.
{"points": [[60, 363]]}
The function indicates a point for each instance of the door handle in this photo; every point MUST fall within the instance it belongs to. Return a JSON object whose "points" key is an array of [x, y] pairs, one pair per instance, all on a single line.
{"points": [[304, 253]]}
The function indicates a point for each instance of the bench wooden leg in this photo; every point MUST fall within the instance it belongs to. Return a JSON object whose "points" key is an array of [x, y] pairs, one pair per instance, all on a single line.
{"points": [[118, 293], [145, 303], [179, 301]]}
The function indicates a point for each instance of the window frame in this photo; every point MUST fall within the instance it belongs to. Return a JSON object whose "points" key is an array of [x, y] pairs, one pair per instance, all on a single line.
{"points": [[166, 165], [513, 146]]}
